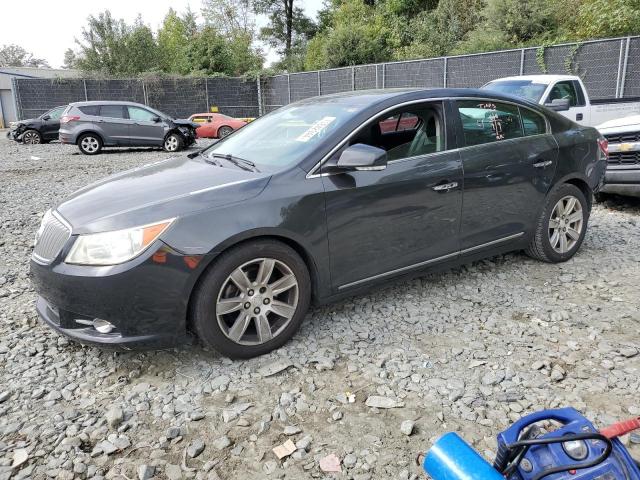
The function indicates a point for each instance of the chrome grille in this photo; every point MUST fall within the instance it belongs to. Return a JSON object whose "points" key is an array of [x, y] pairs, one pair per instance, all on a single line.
{"points": [[623, 137], [624, 158], [51, 237]]}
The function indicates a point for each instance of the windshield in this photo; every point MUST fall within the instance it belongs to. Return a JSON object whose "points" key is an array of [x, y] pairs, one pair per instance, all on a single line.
{"points": [[286, 136], [520, 88]]}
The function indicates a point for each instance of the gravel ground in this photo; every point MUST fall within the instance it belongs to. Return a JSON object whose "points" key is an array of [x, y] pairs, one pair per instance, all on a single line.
{"points": [[470, 350]]}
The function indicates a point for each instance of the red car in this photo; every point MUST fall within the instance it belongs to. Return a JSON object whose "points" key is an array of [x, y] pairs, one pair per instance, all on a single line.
{"points": [[215, 125]]}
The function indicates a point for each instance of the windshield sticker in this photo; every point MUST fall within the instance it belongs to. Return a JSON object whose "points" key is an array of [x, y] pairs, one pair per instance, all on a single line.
{"points": [[315, 129]]}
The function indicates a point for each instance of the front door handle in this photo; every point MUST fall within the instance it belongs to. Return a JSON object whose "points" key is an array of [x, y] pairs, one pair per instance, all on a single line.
{"points": [[579, 117], [542, 164], [445, 187]]}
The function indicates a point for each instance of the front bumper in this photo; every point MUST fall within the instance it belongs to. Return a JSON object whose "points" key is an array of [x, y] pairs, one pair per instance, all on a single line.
{"points": [[145, 299], [623, 172], [15, 134]]}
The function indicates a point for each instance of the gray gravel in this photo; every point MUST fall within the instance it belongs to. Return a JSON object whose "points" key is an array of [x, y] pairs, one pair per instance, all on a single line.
{"points": [[469, 350]]}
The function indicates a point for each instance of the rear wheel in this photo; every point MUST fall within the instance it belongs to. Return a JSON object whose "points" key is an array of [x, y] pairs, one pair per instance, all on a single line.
{"points": [[173, 142], [31, 137], [562, 225], [224, 132], [90, 144], [252, 300]]}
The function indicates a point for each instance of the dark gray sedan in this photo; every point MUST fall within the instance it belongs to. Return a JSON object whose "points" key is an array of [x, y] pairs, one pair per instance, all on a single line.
{"points": [[313, 202]]}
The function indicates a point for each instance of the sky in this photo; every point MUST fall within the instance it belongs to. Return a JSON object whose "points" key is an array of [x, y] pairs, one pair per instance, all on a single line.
{"points": [[53, 25]]}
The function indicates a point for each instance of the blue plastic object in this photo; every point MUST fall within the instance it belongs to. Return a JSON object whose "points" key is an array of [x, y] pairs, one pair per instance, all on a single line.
{"points": [[617, 466], [451, 458]]}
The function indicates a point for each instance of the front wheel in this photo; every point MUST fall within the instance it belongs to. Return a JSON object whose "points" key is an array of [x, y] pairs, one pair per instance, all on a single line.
{"points": [[173, 143], [252, 300], [31, 137], [224, 132], [562, 226]]}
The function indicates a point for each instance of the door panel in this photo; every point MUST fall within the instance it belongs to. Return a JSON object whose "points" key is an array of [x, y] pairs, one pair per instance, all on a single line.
{"points": [[144, 131], [113, 124], [379, 221]]}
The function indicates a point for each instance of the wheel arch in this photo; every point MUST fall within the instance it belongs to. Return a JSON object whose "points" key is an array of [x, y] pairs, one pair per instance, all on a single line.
{"points": [[584, 188], [84, 132], [297, 246]]}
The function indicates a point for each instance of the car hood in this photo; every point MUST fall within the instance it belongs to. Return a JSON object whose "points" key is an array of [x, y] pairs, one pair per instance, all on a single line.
{"points": [[158, 191], [185, 123], [620, 123], [26, 121]]}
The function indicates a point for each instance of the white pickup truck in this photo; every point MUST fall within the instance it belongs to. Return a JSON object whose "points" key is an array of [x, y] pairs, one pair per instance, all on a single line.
{"points": [[617, 119]]}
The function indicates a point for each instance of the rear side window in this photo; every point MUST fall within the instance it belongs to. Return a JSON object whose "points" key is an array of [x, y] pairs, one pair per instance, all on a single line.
{"points": [[90, 109], [533, 123], [112, 111], [484, 121], [137, 113]]}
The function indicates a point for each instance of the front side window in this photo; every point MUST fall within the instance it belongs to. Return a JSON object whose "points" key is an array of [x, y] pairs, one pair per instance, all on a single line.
{"points": [[56, 113], [485, 121], [533, 123], [562, 90], [112, 111], [414, 131], [140, 114]]}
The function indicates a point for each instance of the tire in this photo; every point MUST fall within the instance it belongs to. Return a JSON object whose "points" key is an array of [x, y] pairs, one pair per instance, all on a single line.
{"points": [[31, 137], [224, 132], [90, 144], [173, 143], [235, 331], [562, 226]]}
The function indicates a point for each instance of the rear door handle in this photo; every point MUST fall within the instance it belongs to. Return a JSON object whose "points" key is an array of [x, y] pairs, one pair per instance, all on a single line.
{"points": [[542, 164], [445, 187]]}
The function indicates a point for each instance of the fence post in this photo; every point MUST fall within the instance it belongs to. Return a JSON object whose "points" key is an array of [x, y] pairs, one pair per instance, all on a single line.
{"points": [[319, 84], [384, 75], [289, 86], [444, 80], [259, 87], [84, 84], [353, 78], [624, 67], [206, 93], [377, 76], [144, 93], [522, 62]]}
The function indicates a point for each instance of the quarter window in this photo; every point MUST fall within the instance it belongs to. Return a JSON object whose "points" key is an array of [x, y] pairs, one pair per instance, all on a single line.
{"points": [[484, 121], [533, 123], [90, 109], [112, 111], [140, 114]]}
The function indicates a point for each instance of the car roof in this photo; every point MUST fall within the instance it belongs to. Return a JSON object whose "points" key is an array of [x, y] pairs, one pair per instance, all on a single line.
{"points": [[109, 102], [539, 78]]}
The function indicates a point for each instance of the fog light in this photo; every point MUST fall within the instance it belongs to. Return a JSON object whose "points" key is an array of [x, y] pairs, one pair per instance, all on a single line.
{"points": [[576, 449], [102, 326]]}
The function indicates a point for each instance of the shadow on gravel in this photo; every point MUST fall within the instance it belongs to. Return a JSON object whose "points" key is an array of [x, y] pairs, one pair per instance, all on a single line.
{"points": [[621, 203]]}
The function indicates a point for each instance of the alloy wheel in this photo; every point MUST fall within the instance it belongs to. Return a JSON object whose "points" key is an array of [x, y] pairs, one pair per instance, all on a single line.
{"points": [[566, 224], [90, 144], [257, 301], [171, 143], [224, 132], [31, 138]]}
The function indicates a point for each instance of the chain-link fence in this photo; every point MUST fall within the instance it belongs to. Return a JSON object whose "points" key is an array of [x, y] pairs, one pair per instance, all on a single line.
{"points": [[609, 68]]}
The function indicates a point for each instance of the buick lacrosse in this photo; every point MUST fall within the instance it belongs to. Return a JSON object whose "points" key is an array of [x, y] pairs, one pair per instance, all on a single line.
{"points": [[313, 202]]}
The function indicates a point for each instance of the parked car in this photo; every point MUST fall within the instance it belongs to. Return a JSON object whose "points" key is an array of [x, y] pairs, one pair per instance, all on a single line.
{"points": [[42, 129], [98, 124], [617, 119], [623, 168], [311, 203], [215, 125]]}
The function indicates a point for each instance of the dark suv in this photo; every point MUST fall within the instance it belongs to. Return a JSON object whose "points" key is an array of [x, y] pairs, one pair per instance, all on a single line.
{"points": [[42, 129], [93, 125]]}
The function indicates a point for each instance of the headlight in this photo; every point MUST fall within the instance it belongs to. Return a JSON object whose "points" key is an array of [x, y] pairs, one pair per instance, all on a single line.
{"points": [[112, 248], [576, 449]]}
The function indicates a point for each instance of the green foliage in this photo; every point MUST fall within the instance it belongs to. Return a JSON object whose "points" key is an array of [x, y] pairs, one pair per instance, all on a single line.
{"points": [[13, 55], [173, 42], [608, 18]]}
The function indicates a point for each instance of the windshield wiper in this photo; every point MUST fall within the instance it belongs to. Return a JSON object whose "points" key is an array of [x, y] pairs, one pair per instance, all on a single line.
{"points": [[237, 161]]}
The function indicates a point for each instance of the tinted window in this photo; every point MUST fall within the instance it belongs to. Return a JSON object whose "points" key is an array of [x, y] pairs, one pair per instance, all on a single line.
{"points": [[564, 90], [90, 109], [484, 121], [533, 123], [56, 113], [137, 113], [112, 111]]}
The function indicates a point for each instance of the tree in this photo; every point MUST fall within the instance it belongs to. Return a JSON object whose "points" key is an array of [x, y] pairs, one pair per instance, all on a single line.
{"points": [[173, 41], [230, 17], [289, 29], [607, 18], [70, 58], [13, 55], [102, 47]]}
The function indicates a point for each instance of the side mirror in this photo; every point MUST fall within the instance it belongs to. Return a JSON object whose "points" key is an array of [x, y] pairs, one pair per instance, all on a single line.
{"points": [[46, 117], [558, 105], [156, 119], [362, 157]]}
